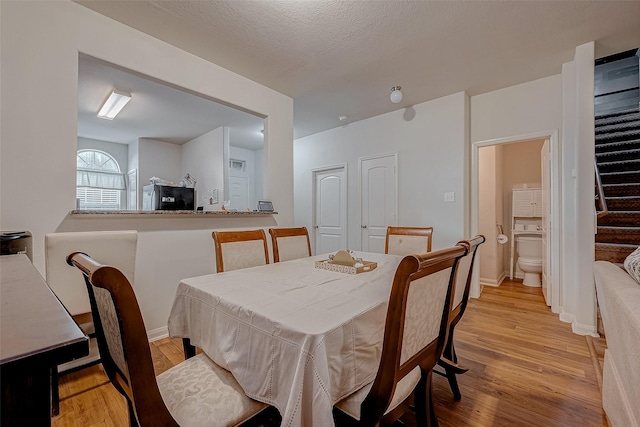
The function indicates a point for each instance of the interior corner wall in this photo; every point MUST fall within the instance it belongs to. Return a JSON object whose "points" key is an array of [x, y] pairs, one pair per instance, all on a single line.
{"points": [[431, 142], [203, 159], [578, 220], [158, 159]]}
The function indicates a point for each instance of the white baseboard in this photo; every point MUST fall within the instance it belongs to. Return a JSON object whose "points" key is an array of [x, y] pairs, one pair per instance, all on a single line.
{"points": [[578, 328], [582, 329], [158, 334], [493, 282], [488, 282], [567, 317]]}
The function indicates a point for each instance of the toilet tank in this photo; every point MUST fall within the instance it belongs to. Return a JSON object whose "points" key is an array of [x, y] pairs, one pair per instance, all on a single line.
{"points": [[530, 247]]}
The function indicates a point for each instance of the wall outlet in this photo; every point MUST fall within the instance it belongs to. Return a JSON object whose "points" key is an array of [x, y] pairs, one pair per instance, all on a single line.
{"points": [[450, 196]]}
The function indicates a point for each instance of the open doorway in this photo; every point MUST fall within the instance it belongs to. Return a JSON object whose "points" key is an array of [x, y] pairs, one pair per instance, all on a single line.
{"points": [[492, 192]]}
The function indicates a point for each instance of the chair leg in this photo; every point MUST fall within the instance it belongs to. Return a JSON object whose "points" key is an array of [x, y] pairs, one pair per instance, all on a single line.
{"points": [[449, 361], [189, 350], [133, 421], [420, 400], [453, 384], [432, 420], [449, 351]]}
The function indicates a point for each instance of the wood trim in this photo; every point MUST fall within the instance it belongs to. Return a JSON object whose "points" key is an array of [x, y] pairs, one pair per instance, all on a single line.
{"points": [[449, 358], [277, 233], [140, 388], [221, 237], [409, 231], [391, 371]]}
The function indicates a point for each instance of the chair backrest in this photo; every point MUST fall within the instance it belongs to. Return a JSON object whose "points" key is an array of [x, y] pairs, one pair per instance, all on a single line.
{"points": [[240, 249], [416, 324], [290, 243], [122, 340], [408, 240], [117, 248], [465, 270]]}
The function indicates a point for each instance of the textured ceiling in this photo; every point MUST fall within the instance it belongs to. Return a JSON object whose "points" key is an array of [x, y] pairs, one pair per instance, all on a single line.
{"points": [[342, 57]]}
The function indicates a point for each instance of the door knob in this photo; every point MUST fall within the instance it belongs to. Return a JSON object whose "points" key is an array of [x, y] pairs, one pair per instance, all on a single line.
{"points": [[316, 226], [363, 226]]}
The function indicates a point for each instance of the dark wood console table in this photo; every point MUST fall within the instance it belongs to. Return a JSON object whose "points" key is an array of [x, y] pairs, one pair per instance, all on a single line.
{"points": [[36, 333]]}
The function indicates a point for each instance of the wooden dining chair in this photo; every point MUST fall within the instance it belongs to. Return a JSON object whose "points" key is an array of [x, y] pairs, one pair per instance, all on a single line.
{"points": [[449, 359], [117, 248], [240, 249], [408, 240], [195, 392], [290, 243], [414, 337]]}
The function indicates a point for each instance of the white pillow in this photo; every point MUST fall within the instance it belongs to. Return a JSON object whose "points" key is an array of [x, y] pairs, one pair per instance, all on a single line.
{"points": [[632, 264]]}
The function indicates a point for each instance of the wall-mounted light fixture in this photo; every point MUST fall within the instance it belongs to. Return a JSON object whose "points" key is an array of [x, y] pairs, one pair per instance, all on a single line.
{"points": [[112, 106], [396, 95]]}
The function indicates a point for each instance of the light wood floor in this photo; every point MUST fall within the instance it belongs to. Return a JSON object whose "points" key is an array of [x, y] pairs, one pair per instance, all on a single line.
{"points": [[526, 369]]}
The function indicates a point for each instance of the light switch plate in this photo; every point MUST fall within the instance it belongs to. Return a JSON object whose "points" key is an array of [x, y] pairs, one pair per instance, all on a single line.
{"points": [[450, 196]]}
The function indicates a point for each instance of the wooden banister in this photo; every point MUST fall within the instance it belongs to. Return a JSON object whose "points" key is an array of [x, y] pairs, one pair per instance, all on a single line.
{"points": [[601, 202]]}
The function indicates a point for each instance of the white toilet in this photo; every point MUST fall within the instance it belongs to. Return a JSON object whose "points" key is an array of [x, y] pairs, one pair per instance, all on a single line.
{"points": [[530, 259]]}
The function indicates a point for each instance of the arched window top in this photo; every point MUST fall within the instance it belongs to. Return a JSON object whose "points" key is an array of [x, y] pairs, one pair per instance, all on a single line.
{"points": [[96, 160]]}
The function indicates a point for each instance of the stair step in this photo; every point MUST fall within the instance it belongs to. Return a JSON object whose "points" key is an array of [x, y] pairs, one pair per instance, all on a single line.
{"points": [[625, 235], [613, 252], [619, 127], [623, 166], [617, 136], [617, 190], [618, 156], [629, 144], [631, 203], [620, 177], [619, 117], [620, 219]]}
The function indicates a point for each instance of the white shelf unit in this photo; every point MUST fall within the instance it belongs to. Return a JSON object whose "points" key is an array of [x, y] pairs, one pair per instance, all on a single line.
{"points": [[526, 211]]}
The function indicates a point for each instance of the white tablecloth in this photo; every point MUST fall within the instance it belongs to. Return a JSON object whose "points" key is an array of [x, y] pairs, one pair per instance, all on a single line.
{"points": [[294, 336]]}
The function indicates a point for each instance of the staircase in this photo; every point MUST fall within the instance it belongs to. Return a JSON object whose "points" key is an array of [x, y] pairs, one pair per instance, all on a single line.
{"points": [[617, 139]]}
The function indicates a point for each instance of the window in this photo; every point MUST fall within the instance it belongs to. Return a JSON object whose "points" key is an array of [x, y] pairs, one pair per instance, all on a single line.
{"points": [[99, 182]]}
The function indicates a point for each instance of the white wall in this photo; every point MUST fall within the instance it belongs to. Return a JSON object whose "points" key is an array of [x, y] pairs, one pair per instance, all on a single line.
{"points": [[578, 222], [259, 171], [250, 173], [431, 142], [40, 43], [490, 199], [158, 159], [203, 159]]}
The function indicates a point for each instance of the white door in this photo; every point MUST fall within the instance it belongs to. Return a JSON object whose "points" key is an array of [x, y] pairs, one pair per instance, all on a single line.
{"points": [[378, 200], [239, 192], [330, 210], [545, 158]]}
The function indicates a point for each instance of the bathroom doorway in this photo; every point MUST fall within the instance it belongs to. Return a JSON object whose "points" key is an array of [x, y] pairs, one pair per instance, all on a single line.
{"points": [[499, 167]]}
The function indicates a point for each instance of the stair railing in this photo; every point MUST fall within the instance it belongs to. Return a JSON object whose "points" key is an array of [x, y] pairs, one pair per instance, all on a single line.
{"points": [[601, 202]]}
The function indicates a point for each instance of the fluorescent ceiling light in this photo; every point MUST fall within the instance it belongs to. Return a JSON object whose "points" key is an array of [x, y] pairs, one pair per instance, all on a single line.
{"points": [[112, 106]]}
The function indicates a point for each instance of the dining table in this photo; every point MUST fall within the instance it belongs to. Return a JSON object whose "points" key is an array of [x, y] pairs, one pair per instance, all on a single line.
{"points": [[294, 336], [37, 333]]}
